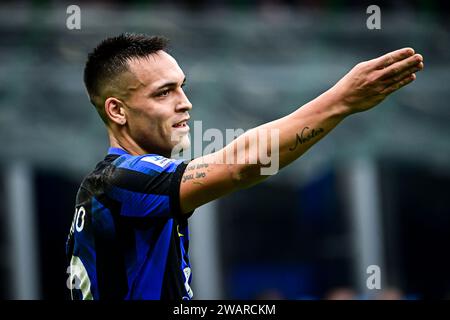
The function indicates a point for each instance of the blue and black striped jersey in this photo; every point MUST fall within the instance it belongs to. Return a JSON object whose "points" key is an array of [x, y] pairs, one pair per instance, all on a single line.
{"points": [[128, 239]]}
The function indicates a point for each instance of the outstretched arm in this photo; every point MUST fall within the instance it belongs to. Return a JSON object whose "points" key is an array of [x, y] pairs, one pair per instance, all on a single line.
{"points": [[241, 163]]}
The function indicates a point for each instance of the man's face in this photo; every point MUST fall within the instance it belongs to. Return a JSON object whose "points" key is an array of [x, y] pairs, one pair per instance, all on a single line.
{"points": [[156, 106]]}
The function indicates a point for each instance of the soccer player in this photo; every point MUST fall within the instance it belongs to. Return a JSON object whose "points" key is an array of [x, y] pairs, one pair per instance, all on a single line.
{"points": [[129, 237]]}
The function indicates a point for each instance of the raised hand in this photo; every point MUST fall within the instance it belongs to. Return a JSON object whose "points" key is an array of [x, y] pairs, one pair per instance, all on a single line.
{"points": [[370, 82]]}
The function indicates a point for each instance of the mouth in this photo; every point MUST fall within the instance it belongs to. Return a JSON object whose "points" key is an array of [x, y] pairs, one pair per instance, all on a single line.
{"points": [[181, 125]]}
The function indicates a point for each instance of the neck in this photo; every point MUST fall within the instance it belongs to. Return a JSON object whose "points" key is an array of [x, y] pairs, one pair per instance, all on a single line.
{"points": [[125, 143]]}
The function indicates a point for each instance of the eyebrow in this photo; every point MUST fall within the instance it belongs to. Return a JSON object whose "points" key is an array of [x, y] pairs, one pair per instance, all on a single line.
{"points": [[169, 85]]}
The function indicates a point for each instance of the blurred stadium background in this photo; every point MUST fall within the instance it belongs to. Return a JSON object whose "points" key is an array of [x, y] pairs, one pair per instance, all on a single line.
{"points": [[374, 192]]}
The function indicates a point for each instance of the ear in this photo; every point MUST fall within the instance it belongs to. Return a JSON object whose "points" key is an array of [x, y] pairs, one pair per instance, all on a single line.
{"points": [[115, 111]]}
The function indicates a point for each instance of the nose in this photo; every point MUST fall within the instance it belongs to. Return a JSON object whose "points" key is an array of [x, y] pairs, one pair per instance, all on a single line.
{"points": [[184, 104]]}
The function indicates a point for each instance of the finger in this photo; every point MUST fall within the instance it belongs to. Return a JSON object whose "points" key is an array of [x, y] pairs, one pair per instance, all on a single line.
{"points": [[401, 66], [392, 57], [404, 74], [400, 84]]}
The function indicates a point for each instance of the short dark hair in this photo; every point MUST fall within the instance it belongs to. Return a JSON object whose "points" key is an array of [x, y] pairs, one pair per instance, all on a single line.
{"points": [[110, 59]]}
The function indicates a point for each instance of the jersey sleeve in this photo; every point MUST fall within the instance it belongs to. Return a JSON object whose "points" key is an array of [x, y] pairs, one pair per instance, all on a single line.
{"points": [[146, 186]]}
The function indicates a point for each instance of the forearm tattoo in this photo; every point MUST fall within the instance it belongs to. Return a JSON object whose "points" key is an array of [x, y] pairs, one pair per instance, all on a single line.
{"points": [[306, 136]]}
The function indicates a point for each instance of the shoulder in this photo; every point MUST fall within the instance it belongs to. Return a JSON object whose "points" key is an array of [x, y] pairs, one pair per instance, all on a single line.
{"points": [[148, 163]]}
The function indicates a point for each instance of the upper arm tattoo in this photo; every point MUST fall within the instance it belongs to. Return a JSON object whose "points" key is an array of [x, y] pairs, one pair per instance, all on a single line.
{"points": [[200, 174]]}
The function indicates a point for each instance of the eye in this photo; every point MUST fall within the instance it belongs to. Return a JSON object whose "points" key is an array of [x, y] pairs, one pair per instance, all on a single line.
{"points": [[164, 93]]}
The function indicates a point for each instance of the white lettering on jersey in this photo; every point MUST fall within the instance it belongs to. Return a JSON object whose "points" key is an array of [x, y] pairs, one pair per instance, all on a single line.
{"points": [[159, 161], [187, 275], [79, 222]]}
